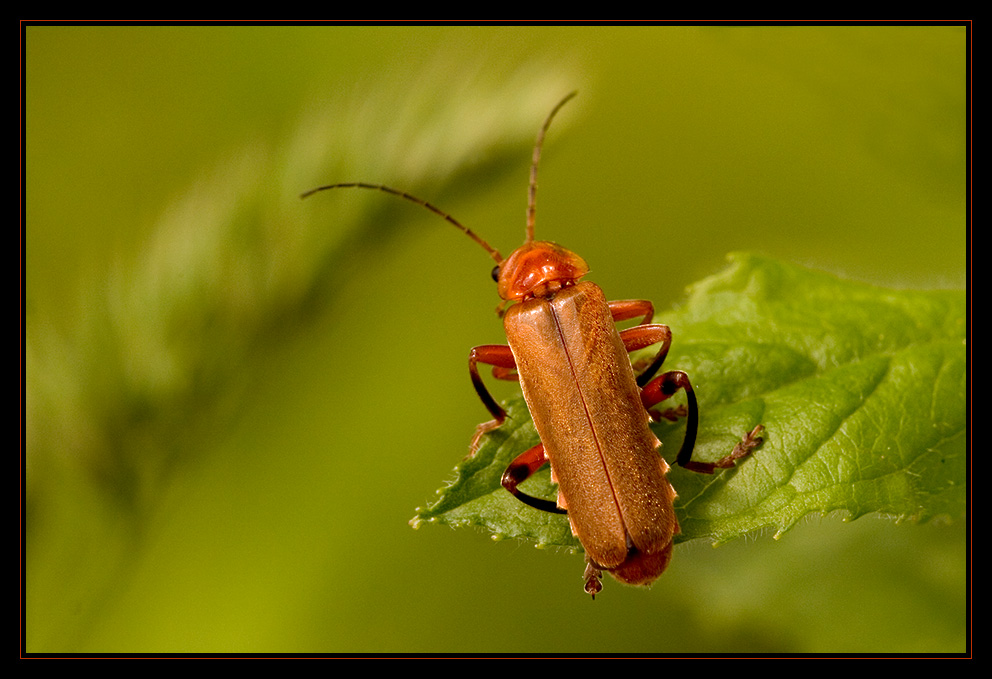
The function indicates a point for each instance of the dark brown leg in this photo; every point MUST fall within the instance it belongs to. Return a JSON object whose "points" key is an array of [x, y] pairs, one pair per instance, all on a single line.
{"points": [[641, 336], [663, 387], [669, 383], [521, 469], [501, 358]]}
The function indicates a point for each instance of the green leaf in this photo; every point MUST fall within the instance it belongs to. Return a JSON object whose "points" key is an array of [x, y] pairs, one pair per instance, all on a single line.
{"points": [[861, 391]]}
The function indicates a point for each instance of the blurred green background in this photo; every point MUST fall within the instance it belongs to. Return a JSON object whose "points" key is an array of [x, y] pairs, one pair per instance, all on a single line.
{"points": [[246, 486]]}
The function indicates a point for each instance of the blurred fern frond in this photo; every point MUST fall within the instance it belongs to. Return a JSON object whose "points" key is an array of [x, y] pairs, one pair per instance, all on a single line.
{"points": [[158, 340]]}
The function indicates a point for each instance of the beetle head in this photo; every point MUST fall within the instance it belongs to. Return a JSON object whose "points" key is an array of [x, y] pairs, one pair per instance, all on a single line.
{"points": [[538, 269]]}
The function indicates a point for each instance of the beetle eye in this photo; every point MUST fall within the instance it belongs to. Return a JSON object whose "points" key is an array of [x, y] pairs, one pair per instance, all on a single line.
{"points": [[495, 273]]}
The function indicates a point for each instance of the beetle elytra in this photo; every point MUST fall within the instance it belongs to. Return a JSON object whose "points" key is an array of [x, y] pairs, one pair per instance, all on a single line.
{"points": [[590, 409]]}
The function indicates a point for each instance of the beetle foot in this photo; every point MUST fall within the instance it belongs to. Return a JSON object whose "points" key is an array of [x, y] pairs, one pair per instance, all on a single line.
{"points": [[593, 577], [481, 431], [748, 442]]}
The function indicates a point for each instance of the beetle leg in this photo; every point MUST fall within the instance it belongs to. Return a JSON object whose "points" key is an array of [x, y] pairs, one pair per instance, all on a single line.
{"points": [[501, 358], [624, 309], [748, 442], [660, 389], [641, 336], [669, 383], [521, 469]]}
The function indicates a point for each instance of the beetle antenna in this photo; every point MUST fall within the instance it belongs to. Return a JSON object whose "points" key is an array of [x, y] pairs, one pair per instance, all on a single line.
{"points": [[532, 189], [493, 252]]}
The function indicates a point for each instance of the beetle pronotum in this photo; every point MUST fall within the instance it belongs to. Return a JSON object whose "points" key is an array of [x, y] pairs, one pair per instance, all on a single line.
{"points": [[590, 410]]}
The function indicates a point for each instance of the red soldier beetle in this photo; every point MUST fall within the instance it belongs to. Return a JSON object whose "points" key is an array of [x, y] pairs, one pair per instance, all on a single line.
{"points": [[590, 410]]}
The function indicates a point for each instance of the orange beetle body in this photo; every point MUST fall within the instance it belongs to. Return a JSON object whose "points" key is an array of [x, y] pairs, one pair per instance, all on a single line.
{"points": [[581, 391], [590, 409]]}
